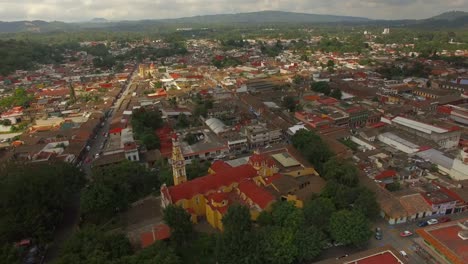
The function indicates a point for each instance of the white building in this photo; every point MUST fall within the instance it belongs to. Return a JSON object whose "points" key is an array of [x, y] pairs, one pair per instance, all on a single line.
{"points": [[398, 143]]}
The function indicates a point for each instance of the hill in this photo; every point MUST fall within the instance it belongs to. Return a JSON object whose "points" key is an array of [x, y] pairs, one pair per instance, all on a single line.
{"points": [[453, 19], [266, 17], [450, 16], [263, 17]]}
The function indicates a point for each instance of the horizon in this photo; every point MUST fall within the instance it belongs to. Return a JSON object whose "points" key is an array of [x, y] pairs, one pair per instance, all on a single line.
{"points": [[86, 10]]}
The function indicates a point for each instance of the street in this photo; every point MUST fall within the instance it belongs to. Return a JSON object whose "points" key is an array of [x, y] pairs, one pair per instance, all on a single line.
{"points": [[71, 213], [391, 236], [99, 139]]}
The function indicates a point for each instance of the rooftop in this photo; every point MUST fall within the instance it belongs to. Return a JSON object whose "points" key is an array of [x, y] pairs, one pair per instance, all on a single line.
{"points": [[382, 255], [444, 237], [428, 129]]}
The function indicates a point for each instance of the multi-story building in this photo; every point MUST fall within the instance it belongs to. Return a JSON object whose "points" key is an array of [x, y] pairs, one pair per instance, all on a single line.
{"points": [[445, 138], [261, 135]]}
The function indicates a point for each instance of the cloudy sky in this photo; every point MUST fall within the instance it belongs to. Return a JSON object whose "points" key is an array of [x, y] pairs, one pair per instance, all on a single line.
{"points": [[82, 10]]}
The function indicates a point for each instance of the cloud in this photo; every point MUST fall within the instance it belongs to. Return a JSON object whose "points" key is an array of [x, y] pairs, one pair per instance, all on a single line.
{"points": [[82, 10]]}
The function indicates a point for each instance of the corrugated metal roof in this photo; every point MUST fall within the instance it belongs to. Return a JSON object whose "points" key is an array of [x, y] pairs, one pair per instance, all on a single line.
{"points": [[418, 125]]}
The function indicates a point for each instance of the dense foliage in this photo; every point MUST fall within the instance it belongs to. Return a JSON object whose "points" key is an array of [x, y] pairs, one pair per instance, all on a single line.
{"points": [[24, 55], [114, 187], [20, 97], [91, 245], [32, 198], [144, 124], [312, 147]]}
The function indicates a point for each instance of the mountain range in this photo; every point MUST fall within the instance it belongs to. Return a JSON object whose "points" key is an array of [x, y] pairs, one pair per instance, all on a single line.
{"points": [[453, 19]]}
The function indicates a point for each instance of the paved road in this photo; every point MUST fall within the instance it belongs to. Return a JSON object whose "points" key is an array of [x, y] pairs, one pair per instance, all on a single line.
{"points": [[100, 139], [391, 236], [71, 212]]}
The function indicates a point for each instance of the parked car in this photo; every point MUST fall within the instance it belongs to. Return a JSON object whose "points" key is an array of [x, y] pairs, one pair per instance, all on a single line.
{"points": [[444, 219], [422, 223], [432, 221], [344, 256], [378, 233], [406, 233], [403, 253]]}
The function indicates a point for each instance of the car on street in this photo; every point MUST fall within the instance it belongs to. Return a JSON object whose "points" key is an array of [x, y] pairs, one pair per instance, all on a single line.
{"points": [[378, 233], [344, 256], [403, 253], [406, 233], [422, 223], [444, 219], [97, 155], [432, 221]]}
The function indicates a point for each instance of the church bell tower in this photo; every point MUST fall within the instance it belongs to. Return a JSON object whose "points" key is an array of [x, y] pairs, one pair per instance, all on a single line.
{"points": [[178, 163]]}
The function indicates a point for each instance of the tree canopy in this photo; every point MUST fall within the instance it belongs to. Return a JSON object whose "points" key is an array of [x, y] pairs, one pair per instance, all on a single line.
{"points": [[114, 188], [179, 221], [19, 98], [350, 227], [144, 124], [32, 198], [91, 245], [312, 147], [321, 87]]}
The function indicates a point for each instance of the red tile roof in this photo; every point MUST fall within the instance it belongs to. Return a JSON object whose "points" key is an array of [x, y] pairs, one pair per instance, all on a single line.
{"points": [[444, 237], [386, 174], [269, 180], [159, 232], [220, 165], [257, 194], [328, 101], [383, 258], [259, 159], [175, 75], [211, 182]]}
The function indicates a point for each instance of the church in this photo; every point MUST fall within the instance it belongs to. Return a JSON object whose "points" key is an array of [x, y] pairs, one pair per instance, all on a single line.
{"points": [[257, 184], [145, 71]]}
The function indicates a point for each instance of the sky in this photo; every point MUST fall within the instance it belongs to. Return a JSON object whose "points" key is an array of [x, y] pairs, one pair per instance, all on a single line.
{"points": [[83, 10]]}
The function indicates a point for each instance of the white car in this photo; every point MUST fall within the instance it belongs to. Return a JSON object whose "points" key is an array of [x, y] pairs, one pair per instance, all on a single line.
{"points": [[432, 221]]}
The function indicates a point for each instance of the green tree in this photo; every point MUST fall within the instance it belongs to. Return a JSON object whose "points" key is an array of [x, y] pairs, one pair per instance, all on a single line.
{"points": [[312, 147], [289, 102], [179, 221], [9, 254], [336, 93], [114, 188], [265, 218], [393, 186], [150, 140], [158, 253], [286, 215], [341, 171], [91, 245], [321, 87], [297, 79], [237, 243], [317, 212], [367, 204], [32, 198], [309, 242], [101, 202], [20, 97], [349, 227], [182, 121], [197, 169], [277, 245]]}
